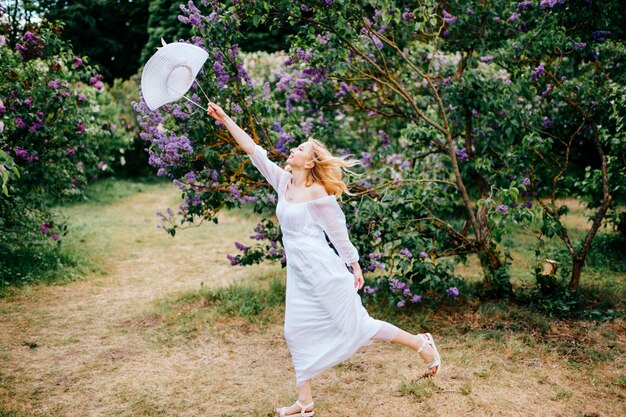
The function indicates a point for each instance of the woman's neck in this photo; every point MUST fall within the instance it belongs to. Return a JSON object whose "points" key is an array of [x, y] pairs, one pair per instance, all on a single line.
{"points": [[299, 177]]}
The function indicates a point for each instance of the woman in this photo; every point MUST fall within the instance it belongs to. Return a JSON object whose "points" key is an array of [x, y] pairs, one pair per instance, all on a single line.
{"points": [[325, 321]]}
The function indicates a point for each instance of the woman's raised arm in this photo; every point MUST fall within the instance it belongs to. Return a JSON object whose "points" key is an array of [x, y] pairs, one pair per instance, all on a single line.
{"points": [[272, 172], [243, 139]]}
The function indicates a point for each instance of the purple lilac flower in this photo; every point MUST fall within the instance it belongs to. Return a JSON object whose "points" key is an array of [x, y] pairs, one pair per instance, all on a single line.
{"points": [[328, 3], [546, 123], [513, 17], [190, 177], [406, 252], [220, 73], [375, 255], [416, 299], [44, 228], [19, 122], [282, 145], [234, 260], [78, 62], [343, 89], [323, 39], [407, 16], [453, 292], [276, 127], [29, 36], [407, 292], [96, 82], [384, 138], [394, 159], [522, 5], [503, 209], [241, 247], [56, 84], [424, 255], [80, 128], [28, 102], [377, 233], [448, 18], [600, 35], [545, 4], [547, 91], [487, 58], [370, 290], [526, 182], [538, 72], [401, 303], [303, 55], [579, 45], [2, 108], [243, 75], [366, 159], [35, 125], [304, 8], [462, 154], [528, 204], [54, 236], [376, 265]]}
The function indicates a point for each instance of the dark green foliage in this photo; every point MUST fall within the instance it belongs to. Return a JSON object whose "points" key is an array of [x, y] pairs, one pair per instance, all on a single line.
{"points": [[111, 33]]}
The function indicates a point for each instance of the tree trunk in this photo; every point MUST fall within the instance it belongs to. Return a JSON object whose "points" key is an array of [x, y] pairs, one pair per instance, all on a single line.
{"points": [[577, 269]]}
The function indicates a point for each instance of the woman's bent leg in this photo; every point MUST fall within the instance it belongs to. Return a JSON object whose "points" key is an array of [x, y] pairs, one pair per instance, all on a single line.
{"points": [[393, 334]]}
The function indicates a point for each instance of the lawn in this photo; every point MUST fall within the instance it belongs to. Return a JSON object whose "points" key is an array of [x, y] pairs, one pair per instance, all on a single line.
{"points": [[162, 326]]}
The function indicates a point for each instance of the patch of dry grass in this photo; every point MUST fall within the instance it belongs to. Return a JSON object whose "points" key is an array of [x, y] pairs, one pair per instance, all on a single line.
{"points": [[141, 340]]}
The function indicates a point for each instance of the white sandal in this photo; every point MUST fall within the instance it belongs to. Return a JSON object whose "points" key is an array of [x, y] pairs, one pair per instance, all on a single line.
{"points": [[302, 413], [437, 361]]}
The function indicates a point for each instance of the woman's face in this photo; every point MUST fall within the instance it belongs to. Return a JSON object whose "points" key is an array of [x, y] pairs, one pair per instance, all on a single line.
{"points": [[301, 156]]}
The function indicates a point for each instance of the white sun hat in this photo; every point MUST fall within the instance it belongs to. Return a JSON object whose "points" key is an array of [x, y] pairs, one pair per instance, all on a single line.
{"points": [[170, 72]]}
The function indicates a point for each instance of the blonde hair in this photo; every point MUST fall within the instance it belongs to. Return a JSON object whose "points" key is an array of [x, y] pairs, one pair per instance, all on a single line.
{"points": [[328, 169]]}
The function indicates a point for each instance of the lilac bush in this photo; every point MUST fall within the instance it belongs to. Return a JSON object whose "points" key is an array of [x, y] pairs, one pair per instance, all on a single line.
{"points": [[449, 114], [57, 133]]}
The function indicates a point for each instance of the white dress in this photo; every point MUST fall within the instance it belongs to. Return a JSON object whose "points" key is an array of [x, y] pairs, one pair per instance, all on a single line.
{"points": [[325, 321]]}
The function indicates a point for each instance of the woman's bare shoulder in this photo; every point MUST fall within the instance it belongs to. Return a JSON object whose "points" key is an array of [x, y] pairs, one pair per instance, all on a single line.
{"points": [[317, 190]]}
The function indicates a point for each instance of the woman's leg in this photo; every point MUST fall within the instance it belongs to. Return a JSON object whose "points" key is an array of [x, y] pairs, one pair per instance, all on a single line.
{"points": [[393, 334], [305, 396]]}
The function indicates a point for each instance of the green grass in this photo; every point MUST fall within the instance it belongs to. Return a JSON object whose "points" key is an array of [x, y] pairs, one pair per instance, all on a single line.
{"points": [[109, 190], [6, 413], [186, 315], [563, 395], [72, 258], [420, 390]]}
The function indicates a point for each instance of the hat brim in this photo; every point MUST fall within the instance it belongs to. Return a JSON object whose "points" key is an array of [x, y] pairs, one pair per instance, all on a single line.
{"points": [[170, 72]]}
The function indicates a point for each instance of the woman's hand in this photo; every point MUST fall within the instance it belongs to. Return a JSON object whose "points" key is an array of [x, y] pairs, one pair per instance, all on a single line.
{"points": [[358, 275], [216, 112]]}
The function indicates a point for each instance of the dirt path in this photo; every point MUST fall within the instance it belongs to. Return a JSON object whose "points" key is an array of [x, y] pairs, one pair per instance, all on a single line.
{"points": [[97, 354]]}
